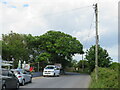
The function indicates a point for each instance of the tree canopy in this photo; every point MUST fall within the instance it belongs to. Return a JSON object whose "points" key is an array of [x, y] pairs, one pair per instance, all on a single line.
{"points": [[51, 47], [59, 45], [14, 47], [103, 57]]}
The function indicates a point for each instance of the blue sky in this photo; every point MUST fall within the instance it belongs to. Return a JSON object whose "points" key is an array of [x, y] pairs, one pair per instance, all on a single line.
{"points": [[75, 17]]}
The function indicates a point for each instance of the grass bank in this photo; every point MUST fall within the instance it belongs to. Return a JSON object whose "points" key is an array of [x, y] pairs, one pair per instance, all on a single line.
{"points": [[107, 78]]}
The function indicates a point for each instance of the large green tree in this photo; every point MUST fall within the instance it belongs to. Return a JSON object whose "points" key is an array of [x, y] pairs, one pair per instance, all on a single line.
{"points": [[104, 59], [31, 45], [14, 47], [59, 45]]}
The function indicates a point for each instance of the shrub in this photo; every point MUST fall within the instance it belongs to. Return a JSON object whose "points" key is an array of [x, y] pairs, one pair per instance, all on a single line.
{"points": [[107, 78]]}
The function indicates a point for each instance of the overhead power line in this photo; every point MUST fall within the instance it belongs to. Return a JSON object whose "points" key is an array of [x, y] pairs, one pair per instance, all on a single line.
{"points": [[89, 32], [66, 11]]}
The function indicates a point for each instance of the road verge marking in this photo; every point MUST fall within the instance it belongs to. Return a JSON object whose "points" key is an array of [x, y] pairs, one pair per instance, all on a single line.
{"points": [[37, 77]]}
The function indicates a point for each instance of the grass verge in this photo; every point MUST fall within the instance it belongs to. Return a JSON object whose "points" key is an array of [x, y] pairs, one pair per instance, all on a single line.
{"points": [[107, 78]]}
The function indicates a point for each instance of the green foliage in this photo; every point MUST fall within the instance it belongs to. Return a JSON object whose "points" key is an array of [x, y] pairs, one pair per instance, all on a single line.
{"points": [[83, 63], [115, 66], [74, 63], [103, 57], [72, 66], [14, 47], [82, 67], [59, 45], [43, 57], [107, 78], [51, 47]]}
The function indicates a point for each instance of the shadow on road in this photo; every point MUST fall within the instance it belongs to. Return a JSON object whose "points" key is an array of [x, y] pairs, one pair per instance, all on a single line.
{"points": [[73, 73], [38, 74]]}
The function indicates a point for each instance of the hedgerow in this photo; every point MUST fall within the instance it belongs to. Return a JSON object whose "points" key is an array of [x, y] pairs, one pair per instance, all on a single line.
{"points": [[107, 78]]}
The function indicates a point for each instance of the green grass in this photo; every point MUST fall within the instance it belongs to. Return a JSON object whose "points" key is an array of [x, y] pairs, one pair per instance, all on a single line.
{"points": [[107, 78]]}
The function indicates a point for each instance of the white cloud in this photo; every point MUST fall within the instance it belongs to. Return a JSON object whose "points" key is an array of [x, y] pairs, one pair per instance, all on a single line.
{"points": [[22, 20], [38, 8], [32, 19], [78, 57], [84, 35], [89, 35], [113, 52]]}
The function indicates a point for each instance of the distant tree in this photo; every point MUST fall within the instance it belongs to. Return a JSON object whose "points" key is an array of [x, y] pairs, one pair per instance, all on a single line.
{"points": [[73, 64], [82, 64], [103, 57]]}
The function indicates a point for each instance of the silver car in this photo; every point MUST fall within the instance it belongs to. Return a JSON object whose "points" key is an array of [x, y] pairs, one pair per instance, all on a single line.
{"points": [[23, 76]]}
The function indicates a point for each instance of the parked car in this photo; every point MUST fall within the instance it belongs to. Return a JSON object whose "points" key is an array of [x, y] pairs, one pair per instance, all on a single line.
{"points": [[23, 76], [0, 81], [51, 70], [9, 80]]}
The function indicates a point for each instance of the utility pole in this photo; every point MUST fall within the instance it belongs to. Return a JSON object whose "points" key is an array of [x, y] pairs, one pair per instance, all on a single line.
{"points": [[38, 67], [82, 63], [97, 37]]}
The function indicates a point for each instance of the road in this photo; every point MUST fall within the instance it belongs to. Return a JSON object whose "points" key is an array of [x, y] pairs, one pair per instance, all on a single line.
{"points": [[71, 80]]}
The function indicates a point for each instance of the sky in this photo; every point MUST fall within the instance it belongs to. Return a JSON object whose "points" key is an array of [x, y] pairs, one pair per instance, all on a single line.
{"points": [[74, 17]]}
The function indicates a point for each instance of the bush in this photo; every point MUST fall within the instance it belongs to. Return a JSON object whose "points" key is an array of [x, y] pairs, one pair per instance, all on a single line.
{"points": [[107, 78], [115, 66]]}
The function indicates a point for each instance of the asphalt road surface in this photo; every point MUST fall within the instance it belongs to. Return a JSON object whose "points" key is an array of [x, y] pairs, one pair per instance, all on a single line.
{"points": [[71, 80]]}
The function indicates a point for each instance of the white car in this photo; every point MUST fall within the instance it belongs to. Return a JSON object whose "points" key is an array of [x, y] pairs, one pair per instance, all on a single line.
{"points": [[51, 70], [23, 76]]}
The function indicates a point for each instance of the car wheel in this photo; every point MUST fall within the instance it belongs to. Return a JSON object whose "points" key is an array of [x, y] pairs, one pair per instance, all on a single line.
{"points": [[23, 82], [58, 74], [4, 87], [30, 80], [17, 85], [54, 75]]}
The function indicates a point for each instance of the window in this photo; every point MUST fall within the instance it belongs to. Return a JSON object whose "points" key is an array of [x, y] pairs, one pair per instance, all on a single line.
{"points": [[4, 72], [16, 72], [49, 68], [58, 68]]}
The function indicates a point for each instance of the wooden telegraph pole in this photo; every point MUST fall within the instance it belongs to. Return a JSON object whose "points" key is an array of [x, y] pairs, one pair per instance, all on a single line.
{"points": [[97, 39]]}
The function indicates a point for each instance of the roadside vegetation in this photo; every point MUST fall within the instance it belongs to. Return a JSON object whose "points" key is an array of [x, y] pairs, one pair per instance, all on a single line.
{"points": [[87, 65], [49, 48], [58, 47], [107, 77]]}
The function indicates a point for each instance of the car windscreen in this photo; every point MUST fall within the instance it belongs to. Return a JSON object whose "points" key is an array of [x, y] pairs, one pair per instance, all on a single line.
{"points": [[16, 72], [49, 68]]}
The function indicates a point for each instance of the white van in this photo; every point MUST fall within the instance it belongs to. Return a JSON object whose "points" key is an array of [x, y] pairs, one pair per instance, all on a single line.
{"points": [[51, 70]]}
